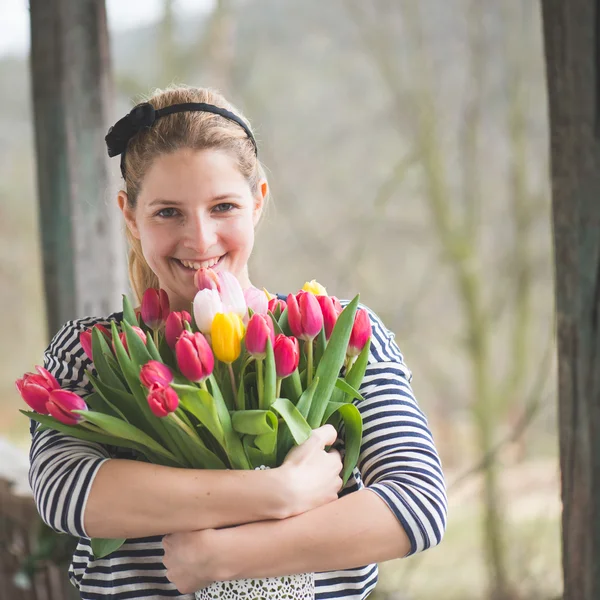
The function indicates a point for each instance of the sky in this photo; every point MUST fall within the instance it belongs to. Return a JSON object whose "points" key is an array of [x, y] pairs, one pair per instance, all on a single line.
{"points": [[122, 15]]}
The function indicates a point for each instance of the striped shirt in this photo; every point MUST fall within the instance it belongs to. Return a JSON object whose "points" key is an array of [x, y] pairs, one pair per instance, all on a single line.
{"points": [[398, 462]]}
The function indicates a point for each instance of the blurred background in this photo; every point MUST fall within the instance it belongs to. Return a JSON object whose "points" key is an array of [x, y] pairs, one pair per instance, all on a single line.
{"points": [[406, 148]]}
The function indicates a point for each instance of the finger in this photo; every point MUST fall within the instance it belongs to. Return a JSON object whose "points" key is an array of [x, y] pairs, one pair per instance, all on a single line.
{"points": [[326, 434]]}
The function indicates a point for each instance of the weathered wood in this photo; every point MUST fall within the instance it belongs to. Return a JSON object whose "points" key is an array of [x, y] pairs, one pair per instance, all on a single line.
{"points": [[572, 45], [83, 251]]}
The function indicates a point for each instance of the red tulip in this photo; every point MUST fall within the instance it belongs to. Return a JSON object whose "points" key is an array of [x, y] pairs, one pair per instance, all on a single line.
{"points": [[175, 326], [304, 315], [206, 279], [61, 403], [155, 372], [276, 303], [260, 329], [85, 339], [287, 355], [330, 314], [35, 389], [194, 356], [123, 338], [361, 332], [162, 400], [155, 307], [336, 304]]}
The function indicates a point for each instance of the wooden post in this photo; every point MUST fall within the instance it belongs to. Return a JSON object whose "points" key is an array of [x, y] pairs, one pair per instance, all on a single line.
{"points": [[83, 250], [572, 45]]}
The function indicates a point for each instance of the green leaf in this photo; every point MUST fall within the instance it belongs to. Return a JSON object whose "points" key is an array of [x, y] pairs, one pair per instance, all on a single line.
{"points": [[292, 417], [320, 345], [153, 350], [202, 405], [292, 387], [100, 350], [283, 323], [305, 400], [102, 547], [270, 376], [353, 428], [276, 325], [332, 361], [357, 371], [99, 402], [254, 422], [137, 349], [348, 389], [128, 312]]}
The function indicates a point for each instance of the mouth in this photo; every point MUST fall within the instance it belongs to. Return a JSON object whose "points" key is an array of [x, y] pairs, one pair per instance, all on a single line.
{"points": [[192, 266]]}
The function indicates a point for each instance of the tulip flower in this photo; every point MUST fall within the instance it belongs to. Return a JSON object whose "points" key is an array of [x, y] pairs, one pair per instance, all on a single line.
{"points": [[287, 355], [85, 339], [226, 334], [232, 294], [315, 287], [155, 372], [305, 317], [206, 279], [256, 300], [330, 314], [175, 326], [337, 305], [123, 338], [361, 332], [194, 356], [35, 389], [155, 307], [207, 303], [61, 403], [260, 329], [274, 304], [162, 400]]}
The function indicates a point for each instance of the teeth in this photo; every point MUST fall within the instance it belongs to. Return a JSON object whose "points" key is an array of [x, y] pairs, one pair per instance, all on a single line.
{"points": [[206, 264]]}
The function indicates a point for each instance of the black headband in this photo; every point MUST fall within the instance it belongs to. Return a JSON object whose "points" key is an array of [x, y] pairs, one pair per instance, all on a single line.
{"points": [[143, 116]]}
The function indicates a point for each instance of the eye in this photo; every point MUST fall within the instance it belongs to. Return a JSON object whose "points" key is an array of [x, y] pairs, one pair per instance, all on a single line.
{"points": [[166, 213], [224, 207]]}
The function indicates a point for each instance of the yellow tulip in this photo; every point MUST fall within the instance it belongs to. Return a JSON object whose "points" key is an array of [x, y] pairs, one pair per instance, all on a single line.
{"points": [[315, 287], [226, 334], [268, 294]]}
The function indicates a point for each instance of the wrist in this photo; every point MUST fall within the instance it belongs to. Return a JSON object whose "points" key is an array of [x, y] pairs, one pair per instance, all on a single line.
{"points": [[278, 491], [226, 544]]}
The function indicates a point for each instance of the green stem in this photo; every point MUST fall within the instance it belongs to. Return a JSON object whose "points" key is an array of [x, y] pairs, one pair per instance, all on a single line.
{"points": [[232, 377], [261, 383], [278, 387], [309, 362], [185, 427], [155, 337]]}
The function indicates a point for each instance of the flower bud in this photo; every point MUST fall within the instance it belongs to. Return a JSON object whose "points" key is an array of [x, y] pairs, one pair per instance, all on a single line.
{"points": [[232, 294], [287, 355], [226, 336], [315, 287], [61, 403], [123, 338], [85, 339], [260, 329], [155, 307], [361, 332], [162, 400], [175, 326], [35, 389], [274, 305], [330, 313], [304, 315], [256, 300], [207, 303], [206, 279], [155, 372], [194, 357]]}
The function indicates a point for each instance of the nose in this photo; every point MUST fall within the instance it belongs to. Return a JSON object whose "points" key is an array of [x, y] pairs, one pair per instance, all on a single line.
{"points": [[200, 234]]}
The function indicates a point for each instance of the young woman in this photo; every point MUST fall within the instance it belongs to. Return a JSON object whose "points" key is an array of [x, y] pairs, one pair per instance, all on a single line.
{"points": [[193, 194]]}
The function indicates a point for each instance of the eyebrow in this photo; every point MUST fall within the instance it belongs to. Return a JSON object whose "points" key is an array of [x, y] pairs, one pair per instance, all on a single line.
{"points": [[219, 198]]}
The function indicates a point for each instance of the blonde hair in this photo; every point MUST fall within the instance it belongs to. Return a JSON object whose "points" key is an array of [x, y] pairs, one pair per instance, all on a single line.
{"points": [[190, 129]]}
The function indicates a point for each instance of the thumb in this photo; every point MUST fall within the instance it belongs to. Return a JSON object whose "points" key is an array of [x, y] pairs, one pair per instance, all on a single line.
{"points": [[325, 435]]}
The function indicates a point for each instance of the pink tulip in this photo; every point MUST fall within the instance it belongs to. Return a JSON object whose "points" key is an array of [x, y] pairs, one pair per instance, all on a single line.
{"points": [[194, 356], [260, 329], [207, 303], [276, 303], [287, 355], [61, 403], [304, 315], [175, 326], [206, 279], [256, 300], [232, 294], [155, 307], [123, 338], [337, 305], [361, 332], [330, 313], [85, 339], [155, 372], [35, 389], [162, 400]]}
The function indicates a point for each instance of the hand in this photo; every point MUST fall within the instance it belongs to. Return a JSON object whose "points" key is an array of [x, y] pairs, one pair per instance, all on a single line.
{"points": [[191, 559], [312, 475]]}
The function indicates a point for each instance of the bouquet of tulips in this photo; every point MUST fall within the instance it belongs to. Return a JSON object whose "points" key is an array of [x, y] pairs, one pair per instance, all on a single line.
{"points": [[234, 386]]}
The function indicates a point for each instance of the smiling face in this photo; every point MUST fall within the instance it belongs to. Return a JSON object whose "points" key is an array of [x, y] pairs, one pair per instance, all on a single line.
{"points": [[195, 209]]}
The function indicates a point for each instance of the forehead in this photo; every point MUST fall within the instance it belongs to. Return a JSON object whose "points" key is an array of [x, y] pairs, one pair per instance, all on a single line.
{"points": [[193, 174]]}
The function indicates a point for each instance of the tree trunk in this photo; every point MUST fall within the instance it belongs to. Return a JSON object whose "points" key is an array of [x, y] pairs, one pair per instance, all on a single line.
{"points": [[571, 32], [83, 251]]}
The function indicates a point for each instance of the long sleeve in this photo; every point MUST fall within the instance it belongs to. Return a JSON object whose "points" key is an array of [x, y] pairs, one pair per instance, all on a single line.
{"points": [[62, 468], [398, 459]]}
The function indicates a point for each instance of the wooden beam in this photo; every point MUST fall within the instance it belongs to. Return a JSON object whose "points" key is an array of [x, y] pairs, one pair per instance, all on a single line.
{"points": [[83, 250]]}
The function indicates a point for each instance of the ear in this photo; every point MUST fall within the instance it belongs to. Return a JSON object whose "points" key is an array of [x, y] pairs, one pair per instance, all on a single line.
{"points": [[128, 214], [259, 200]]}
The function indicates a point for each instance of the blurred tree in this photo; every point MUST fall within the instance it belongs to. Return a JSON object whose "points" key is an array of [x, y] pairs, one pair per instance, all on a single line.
{"points": [[572, 41]]}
